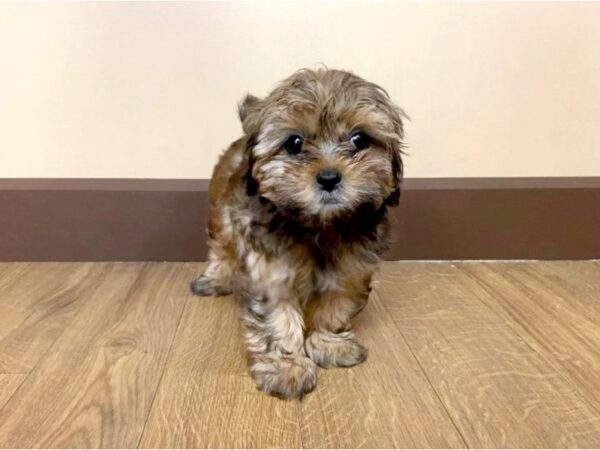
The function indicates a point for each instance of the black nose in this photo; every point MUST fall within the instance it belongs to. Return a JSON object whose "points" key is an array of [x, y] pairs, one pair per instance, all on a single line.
{"points": [[328, 179]]}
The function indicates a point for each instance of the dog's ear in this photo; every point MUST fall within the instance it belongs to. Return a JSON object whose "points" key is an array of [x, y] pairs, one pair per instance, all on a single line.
{"points": [[397, 166], [251, 183], [249, 110]]}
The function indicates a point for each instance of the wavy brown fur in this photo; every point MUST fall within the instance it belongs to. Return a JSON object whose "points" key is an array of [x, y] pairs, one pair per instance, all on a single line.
{"points": [[302, 263]]}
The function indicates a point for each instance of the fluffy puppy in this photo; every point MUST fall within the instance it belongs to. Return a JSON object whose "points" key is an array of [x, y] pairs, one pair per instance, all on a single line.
{"points": [[299, 218]]}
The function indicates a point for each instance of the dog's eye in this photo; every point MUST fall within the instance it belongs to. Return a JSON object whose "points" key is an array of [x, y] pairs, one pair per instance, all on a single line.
{"points": [[361, 140], [293, 145]]}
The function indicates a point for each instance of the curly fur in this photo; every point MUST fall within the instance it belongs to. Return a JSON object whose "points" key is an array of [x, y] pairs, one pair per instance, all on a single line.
{"points": [[299, 259]]}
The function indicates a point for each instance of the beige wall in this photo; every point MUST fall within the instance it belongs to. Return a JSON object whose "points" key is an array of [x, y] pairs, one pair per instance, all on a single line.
{"points": [[149, 90]]}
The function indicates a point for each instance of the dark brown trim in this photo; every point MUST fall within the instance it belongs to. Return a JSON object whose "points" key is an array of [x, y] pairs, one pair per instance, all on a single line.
{"points": [[164, 220], [101, 184], [502, 183]]}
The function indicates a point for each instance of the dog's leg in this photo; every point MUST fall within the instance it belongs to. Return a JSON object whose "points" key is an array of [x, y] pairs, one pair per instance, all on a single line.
{"points": [[274, 334], [216, 278], [331, 342]]}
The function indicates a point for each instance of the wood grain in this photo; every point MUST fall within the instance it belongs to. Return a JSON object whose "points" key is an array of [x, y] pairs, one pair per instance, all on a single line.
{"points": [[499, 391], [206, 398], [385, 402], [36, 303], [96, 385], [479, 355], [10, 318], [9, 382], [10, 271], [555, 307], [207, 366]]}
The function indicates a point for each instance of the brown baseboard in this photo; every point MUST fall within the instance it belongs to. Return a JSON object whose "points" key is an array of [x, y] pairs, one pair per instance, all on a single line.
{"points": [[164, 220]]}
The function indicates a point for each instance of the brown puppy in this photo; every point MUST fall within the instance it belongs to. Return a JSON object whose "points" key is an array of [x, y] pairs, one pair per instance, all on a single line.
{"points": [[298, 221]]}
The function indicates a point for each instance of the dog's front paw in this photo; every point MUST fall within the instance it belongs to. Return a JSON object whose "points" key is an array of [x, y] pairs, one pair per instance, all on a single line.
{"points": [[202, 286], [205, 286], [284, 376], [334, 349]]}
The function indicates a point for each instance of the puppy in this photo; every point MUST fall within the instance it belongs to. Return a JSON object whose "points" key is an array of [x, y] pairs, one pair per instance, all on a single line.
{"points": [[298, 220]]}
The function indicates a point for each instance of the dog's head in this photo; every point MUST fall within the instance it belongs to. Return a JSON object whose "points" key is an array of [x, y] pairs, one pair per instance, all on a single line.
{"points": [[324, 144]]}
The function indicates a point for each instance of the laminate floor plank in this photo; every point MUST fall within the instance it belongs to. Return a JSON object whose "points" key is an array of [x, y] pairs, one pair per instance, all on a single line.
{"points": [[385, 402], [475, 354], [555, 307], [37, 302], [96, 385], [499, 391], [9, 382], [206, 397]]}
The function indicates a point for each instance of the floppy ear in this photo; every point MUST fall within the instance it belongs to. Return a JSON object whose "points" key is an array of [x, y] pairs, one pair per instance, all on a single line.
{"points": [[249, 110], [251, 183], [394, 198], [397, 166]]}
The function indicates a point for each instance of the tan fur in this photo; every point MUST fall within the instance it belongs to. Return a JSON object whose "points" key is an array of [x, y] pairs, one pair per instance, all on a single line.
{"points": [[300, 259]]}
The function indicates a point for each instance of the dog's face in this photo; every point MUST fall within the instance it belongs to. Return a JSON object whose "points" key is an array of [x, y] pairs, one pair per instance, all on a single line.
{"points": [[323, 144]]}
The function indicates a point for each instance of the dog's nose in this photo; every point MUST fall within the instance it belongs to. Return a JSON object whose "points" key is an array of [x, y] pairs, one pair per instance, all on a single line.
{"points": [[328, 179]]}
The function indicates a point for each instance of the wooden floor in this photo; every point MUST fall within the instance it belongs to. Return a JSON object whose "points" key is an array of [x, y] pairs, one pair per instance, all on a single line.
{"points": [[461, 355]]}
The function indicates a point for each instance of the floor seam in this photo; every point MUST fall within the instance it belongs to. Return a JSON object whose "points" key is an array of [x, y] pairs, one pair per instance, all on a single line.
{"points": [[43, 357], [454, 424], [516, 329], [167, 360], [299, 417]]}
